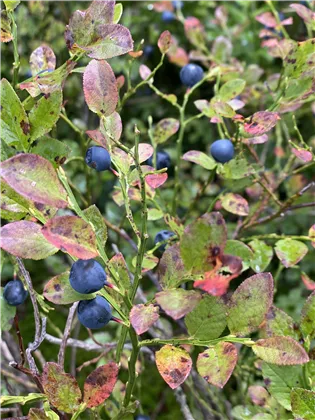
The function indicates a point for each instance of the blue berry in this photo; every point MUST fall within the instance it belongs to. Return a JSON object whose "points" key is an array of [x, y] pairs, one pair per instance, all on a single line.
{"points": [[87, 276], [168, 16], [98, 158], [14, 293], [191, 74], [94, 313], [163, 160], [222, 150], [148, 50], [178, 4], [142, 417], [161, 236]]}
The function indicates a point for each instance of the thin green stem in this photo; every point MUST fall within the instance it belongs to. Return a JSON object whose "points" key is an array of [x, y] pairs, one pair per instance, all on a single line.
{"points": [[276, 237], [276, 15], [132, 366], [195, 342], [16, 64]]}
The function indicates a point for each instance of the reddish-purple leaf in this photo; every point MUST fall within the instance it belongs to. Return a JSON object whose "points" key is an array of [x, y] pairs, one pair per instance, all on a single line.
{"points": [[34, 177], [257, 140], [194, 31], [25, 240], [177, 302], [280, 351], [73, 235], [61, 388], [217, 363], [145, 151], [174, 365], [142, 317], [178, 56], [111, 127], [304, 12], [250, 304], [261, 122], [100, 89], [98, 137], [214, 283], [156, 180], [303, 154], [113, 40], [267, 19], [259, 395], [308, 282], [43, 58], [164, 41], [99, 384], [235, 203]]}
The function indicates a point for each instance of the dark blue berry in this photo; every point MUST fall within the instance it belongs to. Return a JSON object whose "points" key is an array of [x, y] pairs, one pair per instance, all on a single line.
{"points": [[142, 417], [148, 50], [98, 158], [222, 150], [87, 276], [178, 4], [191, 74], [14, 293], [163, 160], [161, 236], [94, 313], [168, 16]]}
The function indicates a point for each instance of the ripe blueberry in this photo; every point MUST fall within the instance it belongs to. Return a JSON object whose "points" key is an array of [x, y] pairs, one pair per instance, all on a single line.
{"points": [[14, 293], [98, 158], [222, 150], [87, 276], [177, 4], [142, 417], [148, 50], [163, 160], [191, 74], [94, 313], [161, 236], [167, 16]]}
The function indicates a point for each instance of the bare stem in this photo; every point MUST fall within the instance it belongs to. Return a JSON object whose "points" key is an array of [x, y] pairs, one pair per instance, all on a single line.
{"points": [[61, 354]]}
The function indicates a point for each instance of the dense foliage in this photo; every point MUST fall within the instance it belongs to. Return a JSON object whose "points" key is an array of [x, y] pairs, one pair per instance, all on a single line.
{"points": [[158, 210]]}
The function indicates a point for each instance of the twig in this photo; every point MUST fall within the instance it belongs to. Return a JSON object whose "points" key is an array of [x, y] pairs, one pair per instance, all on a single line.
{"points": [[17, 379], [61, 354], [20, 339], [122, 233], [181, 399]]}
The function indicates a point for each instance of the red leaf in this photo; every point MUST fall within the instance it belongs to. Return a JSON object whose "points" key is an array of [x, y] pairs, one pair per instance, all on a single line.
{"points": [[177, 302], [98, 137], [215, 284], [261, 122], [174, 365], [142, 317], [100, 88], [73, 235], [25, 240], [267, 19], [302, 154], [308, 282], [156, 180], [304, 12], [164, 41], [99, 384]]}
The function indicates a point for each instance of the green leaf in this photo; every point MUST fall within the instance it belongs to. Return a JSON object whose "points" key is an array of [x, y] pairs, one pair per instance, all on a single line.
{"points": [[221, 108], [142, 317], [250, 304], [262, 256], [7, 313], [235, 203], [118, 10], [148, 263], [32, 397], [222, 49], [118, 265], [53, 150], [71, 234], [175, 224], [171, 268], [11, 4], [201, 159], [15, 127], [94, 216], [239, 249], [307, 323], [44, 115], [280, 324], [296, 63], [174, 365], [99, 384], [164, 129], [303, 403], [24, 239], [280, 380], [61, 388], [217, 363], [290, 251], [6, 27], [59, 291], [280, 351], [177, 302], [32, 176], [155, 214], [235, 169], [202, 241], [231, 89], [208, 320]]}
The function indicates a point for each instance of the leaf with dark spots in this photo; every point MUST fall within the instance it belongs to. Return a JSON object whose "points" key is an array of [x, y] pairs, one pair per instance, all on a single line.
{"points": [[290, 252], [6, 27], [235, 203], [142, 317], [200, 158], [73, 235], [164, 129], [200, 239], [33, 176], [174, 365], [278, 323], [59, 291], [259, 395], [261, 122], [164, 41], [250, 304], [178, 302], [118, 265], [43, 58], [171, 268], [299, 62], [61, 388], [280, 351], [217, 363], [24, 239], [303, 403], [99, 384]]}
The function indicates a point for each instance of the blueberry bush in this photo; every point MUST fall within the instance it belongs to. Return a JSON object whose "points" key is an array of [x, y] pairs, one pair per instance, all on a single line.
{"points": [[158, 206]]}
